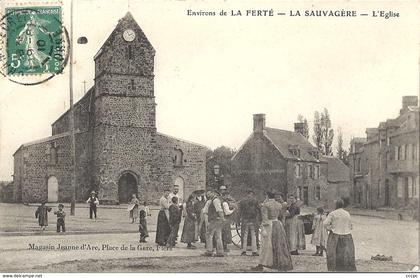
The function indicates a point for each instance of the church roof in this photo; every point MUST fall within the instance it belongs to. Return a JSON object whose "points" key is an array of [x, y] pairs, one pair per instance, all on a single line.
{"points": [[126, 22], [178, 139]]}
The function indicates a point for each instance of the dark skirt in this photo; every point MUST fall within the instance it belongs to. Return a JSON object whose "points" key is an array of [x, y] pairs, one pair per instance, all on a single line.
{"points": [[188, 232], [281, 252], [340, 253], [143, 227], [163, 230]]}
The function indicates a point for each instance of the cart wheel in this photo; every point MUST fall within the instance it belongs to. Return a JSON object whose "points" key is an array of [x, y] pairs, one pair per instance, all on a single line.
{"points": [[236, 234]]}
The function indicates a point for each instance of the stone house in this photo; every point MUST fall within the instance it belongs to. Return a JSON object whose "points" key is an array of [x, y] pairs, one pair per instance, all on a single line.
{"points": [[338, 178], [118, 149], [280, 160], [384, 166]]}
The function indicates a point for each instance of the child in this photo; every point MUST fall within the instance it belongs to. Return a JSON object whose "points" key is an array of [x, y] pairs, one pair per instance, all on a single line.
{"points": [[319, 236], [42, 214], [175, 214], [144, 212], [60, 218]]}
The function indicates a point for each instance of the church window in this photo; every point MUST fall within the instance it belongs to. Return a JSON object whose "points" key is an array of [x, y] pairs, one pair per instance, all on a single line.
{"points": [[53, 154], [178, 157], [132, 86], [129, 52]]}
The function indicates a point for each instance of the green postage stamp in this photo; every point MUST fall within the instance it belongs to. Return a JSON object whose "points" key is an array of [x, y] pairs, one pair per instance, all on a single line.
{"points": [[34, 41]]}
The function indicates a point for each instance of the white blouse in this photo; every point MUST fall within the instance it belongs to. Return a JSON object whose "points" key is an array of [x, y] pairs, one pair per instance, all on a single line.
{"points": [[339, 222]]}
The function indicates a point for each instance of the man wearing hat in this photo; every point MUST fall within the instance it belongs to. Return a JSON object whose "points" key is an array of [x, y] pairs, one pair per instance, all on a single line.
{"points": [[228, 204], [249, 211], [213, 212], [93, 202]]}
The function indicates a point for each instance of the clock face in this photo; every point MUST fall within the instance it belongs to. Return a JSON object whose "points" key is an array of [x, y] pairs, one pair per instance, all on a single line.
{"points": [[129, 35]]}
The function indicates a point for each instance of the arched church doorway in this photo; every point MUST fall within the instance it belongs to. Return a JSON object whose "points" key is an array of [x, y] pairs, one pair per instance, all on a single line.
{"points": [[52, 185], [127, 186], [180, 182]]}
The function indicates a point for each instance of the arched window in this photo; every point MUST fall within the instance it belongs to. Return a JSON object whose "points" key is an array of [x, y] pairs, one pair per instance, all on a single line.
{"points": [[178, 157]]}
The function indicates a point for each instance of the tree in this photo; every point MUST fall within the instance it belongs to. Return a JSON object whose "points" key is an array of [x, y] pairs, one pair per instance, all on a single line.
{"points": [[220, 156], [317, 136], [303, 120], [342, 154], [328, 132], [323, 133]]}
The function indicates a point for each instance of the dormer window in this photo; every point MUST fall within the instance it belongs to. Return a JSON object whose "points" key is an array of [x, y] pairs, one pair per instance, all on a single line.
{"points": [[314, 153], [294, 150]]}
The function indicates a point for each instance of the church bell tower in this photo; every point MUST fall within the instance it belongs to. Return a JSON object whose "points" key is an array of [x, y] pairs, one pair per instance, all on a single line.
{"points": [[124, 132]]}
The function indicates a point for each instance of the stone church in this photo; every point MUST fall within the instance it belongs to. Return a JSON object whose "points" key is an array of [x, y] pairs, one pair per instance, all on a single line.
{"points": [[118, 149]]}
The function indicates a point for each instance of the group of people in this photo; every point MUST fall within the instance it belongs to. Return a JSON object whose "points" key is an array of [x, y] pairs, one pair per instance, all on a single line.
{"points": [[271, 230], [42, 215]]}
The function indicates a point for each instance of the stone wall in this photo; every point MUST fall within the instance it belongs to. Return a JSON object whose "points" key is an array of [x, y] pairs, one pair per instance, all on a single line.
{"points": [[296, 184], [37, 167], [192, 168], [258, 166], [82, 115]]}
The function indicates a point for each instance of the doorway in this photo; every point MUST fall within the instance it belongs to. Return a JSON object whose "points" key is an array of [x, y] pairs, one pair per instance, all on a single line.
{"points": [[387, 193], [127, 186], [180, 182], [52, 185]]}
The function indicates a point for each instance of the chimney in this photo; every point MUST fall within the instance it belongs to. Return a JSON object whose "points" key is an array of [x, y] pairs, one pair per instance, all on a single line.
{"points": [[300, 128], [259, 122], [408, 101]]}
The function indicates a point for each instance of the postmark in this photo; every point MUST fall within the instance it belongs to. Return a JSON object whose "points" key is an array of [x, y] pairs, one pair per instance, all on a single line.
{"points": [[34, 44]]}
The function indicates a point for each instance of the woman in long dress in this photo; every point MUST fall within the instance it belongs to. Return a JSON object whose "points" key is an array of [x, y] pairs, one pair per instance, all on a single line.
{"points": [[163, 230], [319, 235], [133, 208], [188, 232], [275, 251], [340, 245], [294, 228]]}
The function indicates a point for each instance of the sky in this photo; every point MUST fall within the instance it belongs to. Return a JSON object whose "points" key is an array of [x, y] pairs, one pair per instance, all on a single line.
{"points": [[213, 73]]}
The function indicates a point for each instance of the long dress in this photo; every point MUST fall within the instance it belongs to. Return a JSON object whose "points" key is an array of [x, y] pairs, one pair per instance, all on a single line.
{"points": [[163, 230], [188, 232], [294, 229], [42, 214], [320, 235], [134, 208], [275, 252], [340, 245], [200, 231]]}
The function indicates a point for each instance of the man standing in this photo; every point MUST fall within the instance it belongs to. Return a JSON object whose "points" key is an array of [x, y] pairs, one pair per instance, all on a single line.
{"points": [[228, 204], [249, 211], [174, 193], [214, 213], [93, 202]]}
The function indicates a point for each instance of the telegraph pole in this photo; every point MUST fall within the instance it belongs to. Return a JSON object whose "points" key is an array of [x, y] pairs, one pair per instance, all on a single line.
{"points": [[71, 120]]}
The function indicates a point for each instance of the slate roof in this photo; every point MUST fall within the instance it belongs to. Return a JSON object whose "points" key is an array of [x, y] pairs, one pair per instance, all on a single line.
{"points": [[283, 139], [337, 170]]}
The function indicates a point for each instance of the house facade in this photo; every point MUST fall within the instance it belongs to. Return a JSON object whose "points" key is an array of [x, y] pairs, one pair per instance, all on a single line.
{"points": [[282, 161], [384, 166]]}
